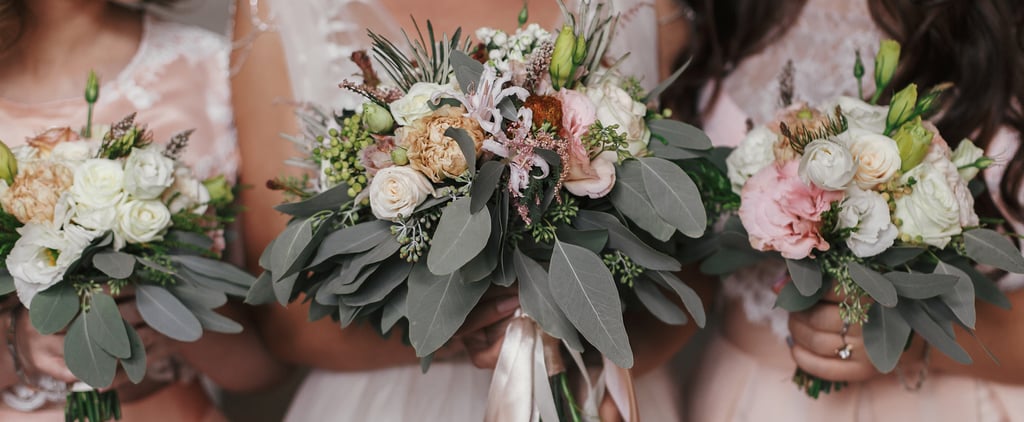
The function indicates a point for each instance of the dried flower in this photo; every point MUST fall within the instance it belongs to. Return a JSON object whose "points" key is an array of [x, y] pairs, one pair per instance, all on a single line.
{"points": [[431, 152], [33, 196]]}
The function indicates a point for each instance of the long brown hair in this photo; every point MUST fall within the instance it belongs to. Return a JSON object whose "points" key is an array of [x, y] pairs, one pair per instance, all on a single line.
{"points": [[975, 44]]}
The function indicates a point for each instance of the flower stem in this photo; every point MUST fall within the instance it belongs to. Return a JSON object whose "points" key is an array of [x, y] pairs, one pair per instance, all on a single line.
{"points": [[567, 392], [814, 386], [92, 406]]}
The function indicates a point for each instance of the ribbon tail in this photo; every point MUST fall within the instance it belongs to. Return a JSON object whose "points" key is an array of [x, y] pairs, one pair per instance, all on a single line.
{"points": [[511, 395], [545, 361], [619, 382]]}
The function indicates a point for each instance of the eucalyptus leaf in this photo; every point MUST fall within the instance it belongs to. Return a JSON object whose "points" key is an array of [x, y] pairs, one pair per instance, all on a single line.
{"points": [[984, 288], [679, 134], [268, 252], [504, 274], [390, 275], [135, 365], [318, 311], [878, 286], [922, 323], [440, 307], [212, 321], [6, 283], [466, 144], [898, 255], [198, 240], [103, 321], [358, 281], [292, 248], [791, 300], [350, 240], [806, 275], [593, 240], [196, 296], [585, 291], [347, 314], [660, 306], [691, 300], [85, 358], [215, 283], [621, 238], [212, 268], [484, 184], [537, 302], [669, 152], [655, 93], [991, 248], [920, 285], [885, 336], [467, 71], [394, 310], [324, 296], [330, 199], [459, 237], [961, 299], [484, 263], [154, 266], [727, 261], [630, 198], [54, 308], [283, 290], [508, 109], [117, 265], [166, 314], [674, 195]]}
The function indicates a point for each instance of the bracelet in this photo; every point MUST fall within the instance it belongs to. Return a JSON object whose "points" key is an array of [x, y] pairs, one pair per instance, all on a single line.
{"points": [[922, 373]]}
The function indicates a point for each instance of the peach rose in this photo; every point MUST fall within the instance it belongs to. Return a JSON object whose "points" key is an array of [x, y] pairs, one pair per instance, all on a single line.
{"points": [[35, 193], [593, 179], [431, 152]]}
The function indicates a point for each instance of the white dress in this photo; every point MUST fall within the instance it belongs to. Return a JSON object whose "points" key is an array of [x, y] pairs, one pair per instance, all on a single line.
{"points": [[318, 37]]}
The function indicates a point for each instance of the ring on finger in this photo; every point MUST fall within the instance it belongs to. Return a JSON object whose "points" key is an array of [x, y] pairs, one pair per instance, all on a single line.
{"points": [[844, 352]]}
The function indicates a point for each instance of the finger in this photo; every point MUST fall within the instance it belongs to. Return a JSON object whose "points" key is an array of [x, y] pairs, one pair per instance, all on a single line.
{"points": [[489, 312], [130, 312], [54, 367], [487, 358], [832, 369], [498, 291], [608, 411], [822, 317], [822, 343]]}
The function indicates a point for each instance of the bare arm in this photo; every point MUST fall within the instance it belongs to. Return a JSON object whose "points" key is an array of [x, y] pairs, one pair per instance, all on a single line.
{"points": [[654, 342], [1002, 332]]}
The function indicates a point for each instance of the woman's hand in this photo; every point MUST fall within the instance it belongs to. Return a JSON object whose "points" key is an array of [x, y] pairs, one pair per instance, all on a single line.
{"points": [[818, 338], [484, 330]]}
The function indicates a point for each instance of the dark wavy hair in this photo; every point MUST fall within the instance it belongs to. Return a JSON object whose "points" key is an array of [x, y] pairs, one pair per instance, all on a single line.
{"points": [[975, 44]]}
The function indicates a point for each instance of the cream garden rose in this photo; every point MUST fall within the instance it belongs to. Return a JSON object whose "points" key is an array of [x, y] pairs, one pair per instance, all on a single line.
{"points": [[147, 173], [186, 192], [415, 104], [859, 114], [931, 212], [141, 221], [827, 164], [616, 107], [395, 192], [877, 157], [964, 155], [868, 213], [98, 189], [756, 152]]}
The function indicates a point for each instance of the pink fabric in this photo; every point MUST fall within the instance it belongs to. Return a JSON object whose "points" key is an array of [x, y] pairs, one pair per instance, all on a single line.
{"points": [[178, 80]]}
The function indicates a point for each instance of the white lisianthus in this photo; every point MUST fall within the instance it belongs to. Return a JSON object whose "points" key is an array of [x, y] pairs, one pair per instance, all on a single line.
{"points": [[72, 153], [141, 221], [877, 157], [99, 183], [186, 192], [147, 173], [931, 212], [868, 213], [827, 164], [967, 154], [415, 104], [42, 256], [616, 107], [395, 192], [859, 114], [756, 152]]}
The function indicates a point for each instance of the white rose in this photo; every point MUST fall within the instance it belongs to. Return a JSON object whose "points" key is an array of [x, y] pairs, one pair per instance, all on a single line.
{"points": [[148, 173], [868, 213], [395, 192], [141, 221], [98, 183], [72, 153], [616, 107], [877, 157], [186, 192], [966, 154], [756, 152], [827, 164], [42, 256], [859, 114], [415, 104], [931, 212]]}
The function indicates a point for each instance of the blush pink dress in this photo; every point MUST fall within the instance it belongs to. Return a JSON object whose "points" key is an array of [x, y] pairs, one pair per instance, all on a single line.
{"points": [[745, 372], [177, 80]]}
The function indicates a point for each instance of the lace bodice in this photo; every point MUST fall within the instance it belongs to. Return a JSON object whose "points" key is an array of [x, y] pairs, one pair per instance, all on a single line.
{"points": [[177, 80], [319, 36]]}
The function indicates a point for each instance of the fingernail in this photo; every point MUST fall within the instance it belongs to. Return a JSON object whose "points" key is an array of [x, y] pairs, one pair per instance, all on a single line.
{"points": [[789, 341], [508, 304]]}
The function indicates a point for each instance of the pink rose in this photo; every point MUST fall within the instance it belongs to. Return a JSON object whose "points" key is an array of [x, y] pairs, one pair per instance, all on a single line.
{"points": [[578, 114], [378, 155], [782, 213], [595, 179]]}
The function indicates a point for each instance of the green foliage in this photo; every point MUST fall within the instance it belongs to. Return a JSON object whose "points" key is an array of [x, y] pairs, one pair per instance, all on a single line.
{"points": [[123, 137], [632, 86], [414, 233], [338, 153], [295, 188], [798, 137], [8, 235], [600, 138], [560, 212], [622, 267], [836, 267], [715, 189], [429, 62]]}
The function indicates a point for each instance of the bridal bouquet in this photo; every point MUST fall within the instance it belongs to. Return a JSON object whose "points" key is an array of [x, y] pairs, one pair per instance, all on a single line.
{"points": [[86, 218], [873, 198], [528, 162]]}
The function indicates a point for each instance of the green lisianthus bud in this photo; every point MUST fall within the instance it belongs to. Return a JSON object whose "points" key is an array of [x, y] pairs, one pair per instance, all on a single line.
{"points": [[219, 189], [377, 119], [8, 164], [913, 141], [902, 108], [886, 61], [524, 14], [92, 88], [399, 156], [562, 64], [579, 52], [929, 100], [858, 66]]}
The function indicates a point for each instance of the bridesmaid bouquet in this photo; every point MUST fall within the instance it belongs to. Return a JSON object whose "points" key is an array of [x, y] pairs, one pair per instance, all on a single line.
{"points": [[873, 198], [85, 218], [526, 162]]}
